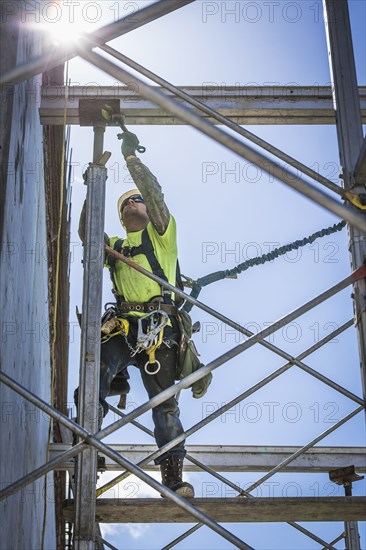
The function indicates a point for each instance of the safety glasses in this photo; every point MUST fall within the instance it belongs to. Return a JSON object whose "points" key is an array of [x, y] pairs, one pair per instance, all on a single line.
{"points": [[134, 198]]}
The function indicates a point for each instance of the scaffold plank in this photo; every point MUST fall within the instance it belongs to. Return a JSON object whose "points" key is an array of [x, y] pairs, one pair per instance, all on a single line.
{"points": [[230, 458], [227, 510], [242, 104]]}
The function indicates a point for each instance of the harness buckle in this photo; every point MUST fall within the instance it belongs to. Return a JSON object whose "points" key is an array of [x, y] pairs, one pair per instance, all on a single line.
{"points": [[149, 328]]}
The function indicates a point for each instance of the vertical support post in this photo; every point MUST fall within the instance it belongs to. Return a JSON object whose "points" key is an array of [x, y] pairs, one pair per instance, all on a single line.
{"points": [[345, 476], [84, 534], [99, 130], [350, 140], [351, 527]]}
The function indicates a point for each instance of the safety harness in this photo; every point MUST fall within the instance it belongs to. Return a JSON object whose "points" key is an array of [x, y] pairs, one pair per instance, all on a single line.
{"points": [[157, 311], [146, 248], [151, 325]]}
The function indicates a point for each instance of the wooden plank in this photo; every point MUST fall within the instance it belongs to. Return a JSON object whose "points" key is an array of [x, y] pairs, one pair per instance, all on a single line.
{"points": [[237, 458], [227, 510]]}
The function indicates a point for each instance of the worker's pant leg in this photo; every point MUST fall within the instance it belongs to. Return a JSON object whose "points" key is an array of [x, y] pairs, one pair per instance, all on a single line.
{"points": [[115, 357], [166, 415]]}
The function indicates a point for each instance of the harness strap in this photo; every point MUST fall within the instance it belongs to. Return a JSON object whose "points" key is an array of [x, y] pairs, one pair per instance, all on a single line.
{"points": [[146, 307], [146, 248], [156, 268], [111, 261], [149, 252]]}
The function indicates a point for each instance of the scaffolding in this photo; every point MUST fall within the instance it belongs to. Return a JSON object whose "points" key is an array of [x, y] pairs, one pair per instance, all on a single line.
{"points": [[210, 512]]}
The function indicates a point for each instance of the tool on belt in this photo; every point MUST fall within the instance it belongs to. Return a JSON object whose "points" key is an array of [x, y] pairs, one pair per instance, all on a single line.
{"points": [[150, 333], [113, 327]]}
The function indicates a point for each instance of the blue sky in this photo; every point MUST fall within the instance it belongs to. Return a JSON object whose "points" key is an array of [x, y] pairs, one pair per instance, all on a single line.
{"points": [[225, 218]]}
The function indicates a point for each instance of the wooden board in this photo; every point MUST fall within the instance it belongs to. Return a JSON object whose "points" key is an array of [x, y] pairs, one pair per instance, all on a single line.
{"points": [[159, 510]]}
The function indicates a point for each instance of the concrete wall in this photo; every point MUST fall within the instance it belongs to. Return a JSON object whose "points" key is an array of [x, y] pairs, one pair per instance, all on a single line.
{"points": [[25, 349]]}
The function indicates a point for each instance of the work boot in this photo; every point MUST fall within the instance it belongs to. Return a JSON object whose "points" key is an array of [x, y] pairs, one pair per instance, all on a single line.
{"points": [[171, 474]]}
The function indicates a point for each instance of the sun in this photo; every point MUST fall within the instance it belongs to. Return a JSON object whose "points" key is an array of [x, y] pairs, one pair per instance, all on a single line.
{"points": [[63, 32]]}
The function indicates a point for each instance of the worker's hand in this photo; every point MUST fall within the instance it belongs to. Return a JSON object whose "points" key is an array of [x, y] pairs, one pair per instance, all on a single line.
{"points": [[130, 143]]}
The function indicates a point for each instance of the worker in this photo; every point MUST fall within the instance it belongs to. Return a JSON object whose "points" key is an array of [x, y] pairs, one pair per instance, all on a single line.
{"points": [[143, 306]]}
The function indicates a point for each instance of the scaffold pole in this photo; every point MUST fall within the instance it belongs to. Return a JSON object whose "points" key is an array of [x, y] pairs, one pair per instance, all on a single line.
{"points": [[350, 143], [86, 471]]}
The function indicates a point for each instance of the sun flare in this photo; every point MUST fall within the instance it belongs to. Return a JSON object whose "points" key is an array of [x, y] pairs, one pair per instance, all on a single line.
{"points": [[64, 32]]}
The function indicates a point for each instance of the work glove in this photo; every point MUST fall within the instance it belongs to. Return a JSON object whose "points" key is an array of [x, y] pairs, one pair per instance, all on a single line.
{"points": [[130, 144]]}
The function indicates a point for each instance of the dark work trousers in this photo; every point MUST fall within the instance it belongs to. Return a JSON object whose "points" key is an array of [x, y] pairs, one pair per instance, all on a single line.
{"points": [[116, 357]]}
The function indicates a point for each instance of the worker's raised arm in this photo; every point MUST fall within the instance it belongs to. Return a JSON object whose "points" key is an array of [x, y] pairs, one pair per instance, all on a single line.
{"points": [[146, 183]]}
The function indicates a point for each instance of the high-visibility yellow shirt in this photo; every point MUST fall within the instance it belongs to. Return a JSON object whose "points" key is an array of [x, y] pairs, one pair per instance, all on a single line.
{"points": [[136, 287]]}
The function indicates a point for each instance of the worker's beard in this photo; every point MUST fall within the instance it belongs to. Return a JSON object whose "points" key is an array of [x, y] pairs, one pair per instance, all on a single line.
{"points": [[134, 220]]}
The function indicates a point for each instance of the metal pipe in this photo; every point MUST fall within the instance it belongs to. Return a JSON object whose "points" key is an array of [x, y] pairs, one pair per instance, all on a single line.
{"points": [[61, 54], [183, 536], [300, 528], [171, 444], [106, 543], [352, 535], [224, 120], [305, 448], [210, 471], [99, 130], [200, 373], [267, 165], [42, 470], [88, 406], [308, 351], [178, 439], [149, 458], [337, 539], [216, 413], [337, 287], [76, 449], [228, 406], [359, 273], [242, 492], [278, 468], [350, 141], [239, 328], [268, 345], [351, 527], [298, 362], [113, 455]]}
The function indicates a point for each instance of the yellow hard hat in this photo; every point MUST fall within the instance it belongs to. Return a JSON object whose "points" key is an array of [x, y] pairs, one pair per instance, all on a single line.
{"points": [[123, 197]]}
